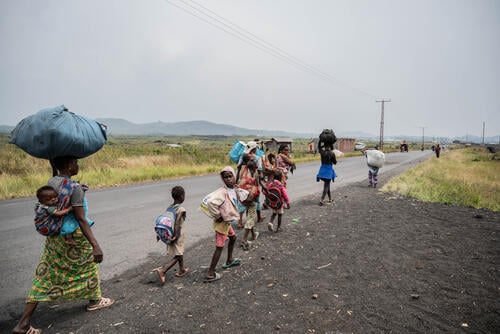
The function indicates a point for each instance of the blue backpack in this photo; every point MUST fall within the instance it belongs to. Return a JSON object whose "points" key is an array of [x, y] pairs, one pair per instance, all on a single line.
{"points": [[165, 223], [237, 151]]}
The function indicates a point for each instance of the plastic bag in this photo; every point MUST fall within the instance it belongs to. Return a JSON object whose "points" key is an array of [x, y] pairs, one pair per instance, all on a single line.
{"points": [[55, 132]]}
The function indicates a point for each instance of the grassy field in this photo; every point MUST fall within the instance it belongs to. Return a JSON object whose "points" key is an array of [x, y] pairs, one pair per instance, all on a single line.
{"points": [[126, 160], [467, 177]]}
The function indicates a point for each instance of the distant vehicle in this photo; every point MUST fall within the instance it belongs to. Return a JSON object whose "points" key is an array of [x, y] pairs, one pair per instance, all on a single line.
{"points": [[359, 146]]}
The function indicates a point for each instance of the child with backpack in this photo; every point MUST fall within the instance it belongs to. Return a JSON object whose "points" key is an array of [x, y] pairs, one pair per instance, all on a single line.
{"points": [[277, 198], [175, 242], [249, 181], [222, 207]]}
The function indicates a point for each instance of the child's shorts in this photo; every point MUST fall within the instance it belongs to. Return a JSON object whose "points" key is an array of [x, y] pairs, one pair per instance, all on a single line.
{"points": [[220, 239], [279, 211], [251, 216]]}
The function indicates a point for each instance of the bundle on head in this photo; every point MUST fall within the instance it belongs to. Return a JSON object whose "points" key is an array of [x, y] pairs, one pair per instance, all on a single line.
{"points": [[327, 138]]}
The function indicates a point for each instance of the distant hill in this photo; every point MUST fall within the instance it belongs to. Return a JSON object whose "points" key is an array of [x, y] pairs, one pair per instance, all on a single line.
{"points": [[118, 126], [6, 128], [122, 127]]}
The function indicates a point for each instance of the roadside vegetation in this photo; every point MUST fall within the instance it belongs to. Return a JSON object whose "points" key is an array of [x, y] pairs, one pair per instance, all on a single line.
{"points": [[466, 177], [126, 160]]}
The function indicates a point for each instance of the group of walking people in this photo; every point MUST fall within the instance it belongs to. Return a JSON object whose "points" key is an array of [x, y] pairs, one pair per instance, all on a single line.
{"points": [[68, 267], [231, 209]]}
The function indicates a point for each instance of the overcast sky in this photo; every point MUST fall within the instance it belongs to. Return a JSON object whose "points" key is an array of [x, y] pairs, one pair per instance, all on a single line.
{"points": [[301, 66]]}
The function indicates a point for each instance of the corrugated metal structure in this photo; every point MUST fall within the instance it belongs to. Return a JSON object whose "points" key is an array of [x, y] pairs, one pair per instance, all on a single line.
{"points": [[273, 144]]}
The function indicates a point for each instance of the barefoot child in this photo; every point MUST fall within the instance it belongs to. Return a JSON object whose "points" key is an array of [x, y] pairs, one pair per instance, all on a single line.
{"points": [[46, 209], [249, 181], [176, 246], [224, 214], [278, 203]]}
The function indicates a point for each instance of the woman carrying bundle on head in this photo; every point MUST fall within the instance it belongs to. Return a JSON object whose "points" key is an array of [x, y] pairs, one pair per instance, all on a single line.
{"points": [[326, 172]]}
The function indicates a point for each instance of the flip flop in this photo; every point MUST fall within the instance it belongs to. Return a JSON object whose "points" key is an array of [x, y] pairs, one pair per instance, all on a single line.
{"points": [[234, 263], [161, 275], [103, 303], [212, 279], [33, 330], [184, 273]]}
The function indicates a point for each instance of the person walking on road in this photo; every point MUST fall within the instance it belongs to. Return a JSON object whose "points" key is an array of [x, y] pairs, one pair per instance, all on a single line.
{"points": [[176, 245], [326, 172], [437, 150], [66, 272], [225, 214]]}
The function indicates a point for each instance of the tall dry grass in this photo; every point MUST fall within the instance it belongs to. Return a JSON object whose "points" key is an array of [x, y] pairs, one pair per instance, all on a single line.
{"points": [[467, 177], [125, 160]]}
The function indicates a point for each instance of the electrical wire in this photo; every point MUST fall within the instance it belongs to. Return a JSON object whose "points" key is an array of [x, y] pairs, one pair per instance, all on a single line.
{"points": [[246, 36]]}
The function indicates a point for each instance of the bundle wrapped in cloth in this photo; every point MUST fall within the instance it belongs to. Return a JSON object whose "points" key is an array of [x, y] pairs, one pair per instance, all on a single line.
{"points": [[55, 132], [375, 158]]}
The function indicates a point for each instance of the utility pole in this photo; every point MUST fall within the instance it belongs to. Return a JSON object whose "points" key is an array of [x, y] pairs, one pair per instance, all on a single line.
{"points": [[423, 127], [381, 140], [483, 133]]}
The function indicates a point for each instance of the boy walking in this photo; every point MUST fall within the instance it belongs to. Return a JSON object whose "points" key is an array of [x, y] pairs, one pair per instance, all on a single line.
{"points": [[176, 245], [224, 214]]}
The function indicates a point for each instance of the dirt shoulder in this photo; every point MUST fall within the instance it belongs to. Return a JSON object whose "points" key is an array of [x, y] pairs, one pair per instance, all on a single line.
{"points": [[369, 263]]}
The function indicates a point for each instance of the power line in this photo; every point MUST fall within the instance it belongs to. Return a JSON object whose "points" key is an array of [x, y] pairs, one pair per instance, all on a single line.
{"points": [[244, 35], [275, 48]]}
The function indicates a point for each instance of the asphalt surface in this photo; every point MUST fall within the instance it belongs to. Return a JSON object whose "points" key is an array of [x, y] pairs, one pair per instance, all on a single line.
{"points": [[124, 219]]}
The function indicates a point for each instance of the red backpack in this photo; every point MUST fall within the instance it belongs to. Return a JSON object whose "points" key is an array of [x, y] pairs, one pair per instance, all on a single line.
{"points": [[273, 196]]}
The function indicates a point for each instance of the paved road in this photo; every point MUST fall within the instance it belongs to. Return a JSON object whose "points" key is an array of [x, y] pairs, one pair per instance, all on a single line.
{"points": [[124, 219]]}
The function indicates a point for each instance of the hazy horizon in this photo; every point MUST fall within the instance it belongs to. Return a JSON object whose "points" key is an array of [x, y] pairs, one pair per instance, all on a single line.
{"points": [[290, 65]]}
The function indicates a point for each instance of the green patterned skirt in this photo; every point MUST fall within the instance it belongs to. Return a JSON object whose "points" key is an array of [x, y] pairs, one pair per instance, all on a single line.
{"points": [[66, 272]]}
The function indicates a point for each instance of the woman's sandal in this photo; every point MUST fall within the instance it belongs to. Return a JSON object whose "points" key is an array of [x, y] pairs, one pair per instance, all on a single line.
{"points": [[182, 274], [102, 303]]}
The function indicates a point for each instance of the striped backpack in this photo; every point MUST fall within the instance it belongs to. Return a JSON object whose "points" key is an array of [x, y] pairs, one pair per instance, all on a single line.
{"points": [[165, 223]]}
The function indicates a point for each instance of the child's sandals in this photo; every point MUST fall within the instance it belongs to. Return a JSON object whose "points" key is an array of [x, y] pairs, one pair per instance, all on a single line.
{"points": [[245, 245]]}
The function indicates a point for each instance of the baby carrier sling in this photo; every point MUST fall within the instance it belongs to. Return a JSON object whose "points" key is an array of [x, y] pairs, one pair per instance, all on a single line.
{"points": [[48, 225]]}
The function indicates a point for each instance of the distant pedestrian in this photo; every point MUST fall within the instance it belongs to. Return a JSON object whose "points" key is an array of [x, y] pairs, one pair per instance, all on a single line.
{"points": [[437, 150], [375, 160], [176, 245], [224, 215], [326, 172]]}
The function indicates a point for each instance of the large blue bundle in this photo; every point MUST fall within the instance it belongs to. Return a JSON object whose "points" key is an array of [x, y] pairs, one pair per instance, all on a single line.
{"points": [[54, 132]]}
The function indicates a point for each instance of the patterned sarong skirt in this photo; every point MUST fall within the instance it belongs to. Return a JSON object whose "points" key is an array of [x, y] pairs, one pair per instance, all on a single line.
{"points": [[66, 272]]}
